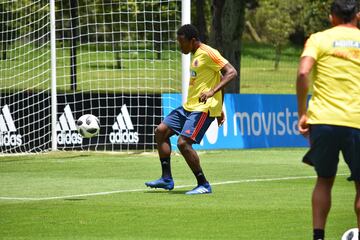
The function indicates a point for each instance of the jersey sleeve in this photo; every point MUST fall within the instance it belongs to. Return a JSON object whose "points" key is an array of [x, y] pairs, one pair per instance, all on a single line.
{"points": [[311, 48], [216, 62]]}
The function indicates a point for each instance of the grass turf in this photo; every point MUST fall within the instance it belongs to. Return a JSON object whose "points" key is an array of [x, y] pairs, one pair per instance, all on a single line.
{"points": [[277, 209]]}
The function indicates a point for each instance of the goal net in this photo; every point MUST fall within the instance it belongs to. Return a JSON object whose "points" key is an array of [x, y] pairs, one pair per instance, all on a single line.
{"points": [[114, 59]]}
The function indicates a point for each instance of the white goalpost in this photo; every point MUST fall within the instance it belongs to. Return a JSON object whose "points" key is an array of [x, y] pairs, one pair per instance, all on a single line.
{"points": [[53, 75], [61, 59], [185, 59]]}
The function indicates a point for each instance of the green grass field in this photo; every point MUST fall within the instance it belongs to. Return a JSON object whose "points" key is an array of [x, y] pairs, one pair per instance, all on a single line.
{"points": [[257, 72], [257, 194]]}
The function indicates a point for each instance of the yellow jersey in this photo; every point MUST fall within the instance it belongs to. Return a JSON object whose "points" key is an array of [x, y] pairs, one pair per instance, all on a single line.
{"points": [[205, 74], [336, 77]]}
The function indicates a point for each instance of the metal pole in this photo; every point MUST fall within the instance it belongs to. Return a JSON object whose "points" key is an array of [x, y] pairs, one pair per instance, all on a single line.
{"points": [[53, 76], [185, 59]]}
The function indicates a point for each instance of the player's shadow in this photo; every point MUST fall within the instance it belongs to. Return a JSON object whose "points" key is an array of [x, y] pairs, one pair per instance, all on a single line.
{"points": [[76, 156], [178, 191], [168, 192]]}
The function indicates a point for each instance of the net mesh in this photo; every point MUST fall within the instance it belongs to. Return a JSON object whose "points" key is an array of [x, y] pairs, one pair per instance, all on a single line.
{"points": [[114, 60]]}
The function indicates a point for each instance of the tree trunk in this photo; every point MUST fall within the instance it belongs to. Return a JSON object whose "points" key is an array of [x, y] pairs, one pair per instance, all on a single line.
{"points": [[228, 26], [277, 56], [157, 41], [116, 47], [200, 21], [254, 35], [4, 50], [216, 35]]}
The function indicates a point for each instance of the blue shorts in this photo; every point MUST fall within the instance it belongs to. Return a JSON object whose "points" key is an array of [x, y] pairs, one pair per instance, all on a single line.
{"points": [[326, 143], [189, 124]]}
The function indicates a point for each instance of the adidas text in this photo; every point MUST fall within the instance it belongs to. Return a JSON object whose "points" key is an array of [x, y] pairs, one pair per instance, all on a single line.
{"points": [[124, 137], [69, 138], [7, 139]]}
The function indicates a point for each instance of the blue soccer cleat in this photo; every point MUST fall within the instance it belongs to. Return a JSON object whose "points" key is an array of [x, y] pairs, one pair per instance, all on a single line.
{"points": [[165, 183], [200, 189]]}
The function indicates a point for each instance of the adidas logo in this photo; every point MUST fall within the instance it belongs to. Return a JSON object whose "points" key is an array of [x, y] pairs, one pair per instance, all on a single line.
{"points": [[67, 128], [7, 129], [123, 128]]}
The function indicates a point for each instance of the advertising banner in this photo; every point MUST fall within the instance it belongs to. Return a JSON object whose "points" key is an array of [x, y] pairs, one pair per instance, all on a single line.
{"points": [[126, 121], [252, 121]]}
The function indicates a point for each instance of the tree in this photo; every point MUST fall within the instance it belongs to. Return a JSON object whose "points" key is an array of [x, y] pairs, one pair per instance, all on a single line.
{"points": [[227, 29], [316, 15], [274, 23], [200, 13], [23, 20]]}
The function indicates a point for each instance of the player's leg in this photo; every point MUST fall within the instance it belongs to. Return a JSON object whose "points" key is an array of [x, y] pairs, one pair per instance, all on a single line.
{"points": [[162, 138], [357, 203], [351, 152], [171, 125], [192, 159], [324, 156], [321, 202], [193, 131]]}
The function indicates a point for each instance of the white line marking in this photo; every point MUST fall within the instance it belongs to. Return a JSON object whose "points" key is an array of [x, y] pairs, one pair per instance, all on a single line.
{"points": [[146, 189]]}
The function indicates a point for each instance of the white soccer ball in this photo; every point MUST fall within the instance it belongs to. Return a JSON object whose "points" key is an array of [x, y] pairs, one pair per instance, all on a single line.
{"points": [[88, 125], [351, 234]]}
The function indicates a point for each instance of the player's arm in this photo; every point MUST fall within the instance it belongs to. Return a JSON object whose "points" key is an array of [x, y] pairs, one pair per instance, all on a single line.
{"points": [[228, 74], [302, 89]]}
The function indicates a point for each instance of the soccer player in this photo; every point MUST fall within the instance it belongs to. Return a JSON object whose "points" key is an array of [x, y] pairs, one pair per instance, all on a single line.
{"points": [[210, 73], [333, 116]]}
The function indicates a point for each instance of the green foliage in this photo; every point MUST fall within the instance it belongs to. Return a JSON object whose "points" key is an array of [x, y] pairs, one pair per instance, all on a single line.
{"points": [[108, 21], [276, 20], [99, 20], [21, 20], [273, 21], [308, 16], [273, 17], [316, 15]]}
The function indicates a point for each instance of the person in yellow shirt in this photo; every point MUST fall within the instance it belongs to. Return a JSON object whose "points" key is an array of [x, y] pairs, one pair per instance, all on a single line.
{"points": [[332, 119], [210, 72]]}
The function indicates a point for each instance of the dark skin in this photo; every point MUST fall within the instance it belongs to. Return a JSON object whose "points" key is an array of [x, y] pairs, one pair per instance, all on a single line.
{"points": [[163, 132], [321, 198]]}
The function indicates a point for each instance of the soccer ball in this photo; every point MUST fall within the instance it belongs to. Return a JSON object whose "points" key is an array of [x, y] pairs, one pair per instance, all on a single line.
{"points": [[350, 234], [88, 125]]}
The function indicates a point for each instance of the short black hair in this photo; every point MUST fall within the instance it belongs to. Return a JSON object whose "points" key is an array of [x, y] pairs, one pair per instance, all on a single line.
{"points": [[345, 9], [189, 31]]}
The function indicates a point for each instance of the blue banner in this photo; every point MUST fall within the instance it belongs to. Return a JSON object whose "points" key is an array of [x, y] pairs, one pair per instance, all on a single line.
{"points": [[252, 121]]}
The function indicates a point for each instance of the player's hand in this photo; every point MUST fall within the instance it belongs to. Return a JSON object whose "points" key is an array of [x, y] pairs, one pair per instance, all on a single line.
{"points": [[221, 119], [303, 126], [204, 96]]}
